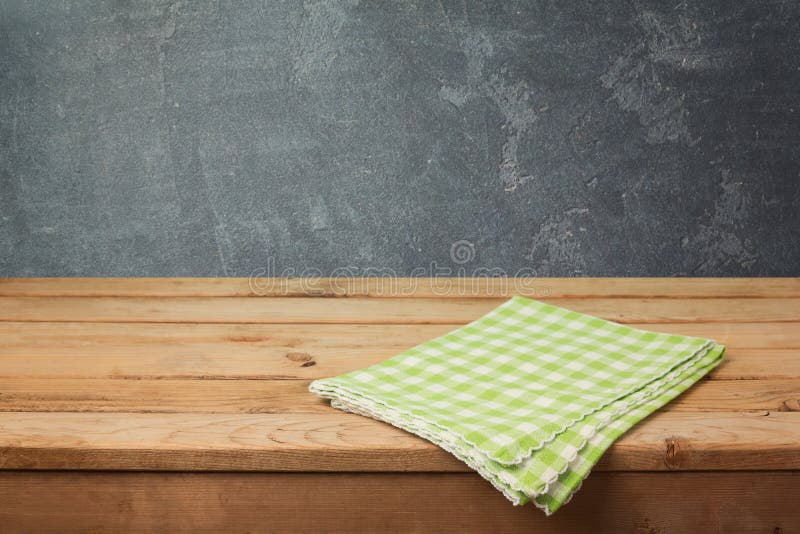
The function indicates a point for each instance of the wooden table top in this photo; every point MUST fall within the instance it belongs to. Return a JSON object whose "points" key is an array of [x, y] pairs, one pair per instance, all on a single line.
{"points": [[212, 374]]}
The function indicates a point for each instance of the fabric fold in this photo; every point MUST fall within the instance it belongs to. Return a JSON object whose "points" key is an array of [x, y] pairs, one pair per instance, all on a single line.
{"points": [[530, 395]]}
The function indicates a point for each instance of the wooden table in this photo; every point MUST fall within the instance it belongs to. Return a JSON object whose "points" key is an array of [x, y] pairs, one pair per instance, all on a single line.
{"points": [[181, 405]]}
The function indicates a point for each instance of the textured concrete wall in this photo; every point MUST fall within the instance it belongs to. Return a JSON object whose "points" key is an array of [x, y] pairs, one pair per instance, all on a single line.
{"points": [[568, 138]]}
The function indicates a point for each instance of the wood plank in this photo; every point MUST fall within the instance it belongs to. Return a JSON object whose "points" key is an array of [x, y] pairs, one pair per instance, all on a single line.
{"points": [[244, 310], [718, 441], [758, 364], [345, 442], [213, 442], [746, 396], [292, 396], [158, 396], [64, 338], [247, 351], [403, 287], [377, 311], [63, 502], [199, 350], [300, 364]]}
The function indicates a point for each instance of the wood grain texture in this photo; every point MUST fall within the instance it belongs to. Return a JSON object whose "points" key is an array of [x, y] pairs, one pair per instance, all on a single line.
{"points": [[758, 364], [197, 377], [345, 442], [636, 503], [366, 310], [248, 351], [292, 396], [159, 396], [24, 336], [400, 287]]}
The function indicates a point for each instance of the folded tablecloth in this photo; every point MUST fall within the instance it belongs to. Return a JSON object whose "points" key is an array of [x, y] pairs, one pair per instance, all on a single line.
{"points": [[530, 395]]}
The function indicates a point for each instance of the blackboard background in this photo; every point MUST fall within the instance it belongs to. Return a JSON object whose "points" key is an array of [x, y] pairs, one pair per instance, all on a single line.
{"points": [[144, 138]]}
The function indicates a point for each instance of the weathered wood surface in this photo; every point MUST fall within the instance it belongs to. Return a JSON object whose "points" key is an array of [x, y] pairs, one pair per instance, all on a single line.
{"points": [[196, 376], [169, 395], [331, 441], [609, 503], [148, 373]]}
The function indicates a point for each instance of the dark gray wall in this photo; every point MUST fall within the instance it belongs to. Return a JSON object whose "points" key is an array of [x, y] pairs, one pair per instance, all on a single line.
{"points": [[572, 138]]}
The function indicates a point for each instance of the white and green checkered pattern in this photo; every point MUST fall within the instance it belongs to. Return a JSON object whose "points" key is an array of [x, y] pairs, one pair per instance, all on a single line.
{"points": [[529, 395]]}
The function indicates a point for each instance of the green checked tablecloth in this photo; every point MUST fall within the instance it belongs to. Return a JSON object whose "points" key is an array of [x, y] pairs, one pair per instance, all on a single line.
{"points": [[530, 395]]}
